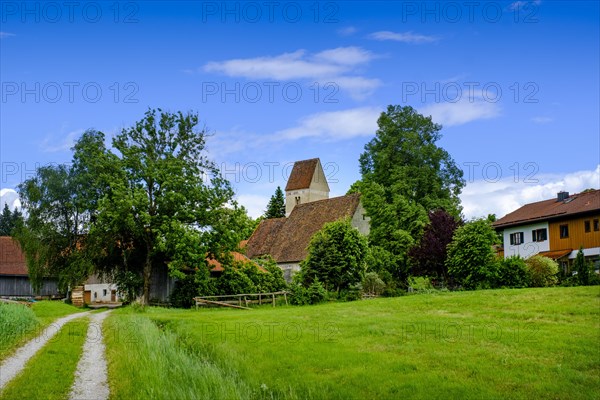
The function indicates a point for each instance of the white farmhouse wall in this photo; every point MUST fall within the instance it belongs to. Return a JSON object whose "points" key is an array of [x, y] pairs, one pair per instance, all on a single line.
{"points": [[528, 248], [101, 292]]}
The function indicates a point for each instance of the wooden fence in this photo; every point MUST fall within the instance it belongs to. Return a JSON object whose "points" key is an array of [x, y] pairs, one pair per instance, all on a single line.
{"points": [[236, 300]]}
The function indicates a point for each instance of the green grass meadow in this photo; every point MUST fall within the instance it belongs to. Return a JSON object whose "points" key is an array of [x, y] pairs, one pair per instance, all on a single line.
{"points": [[50, 374], [19, 323], [525, 343]]}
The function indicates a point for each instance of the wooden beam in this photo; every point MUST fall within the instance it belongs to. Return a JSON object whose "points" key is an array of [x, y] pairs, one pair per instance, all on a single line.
{"points": [[220, 303]]}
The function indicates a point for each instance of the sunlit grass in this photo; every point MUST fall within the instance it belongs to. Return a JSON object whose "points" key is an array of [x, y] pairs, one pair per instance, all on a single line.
{"points": [[49, 375], [145, 363], [19, 323], [526, 343]]}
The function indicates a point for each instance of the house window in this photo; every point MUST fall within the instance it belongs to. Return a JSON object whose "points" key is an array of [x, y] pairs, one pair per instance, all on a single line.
{"points": [[564, 231], [539, 235], [104, 292], [516, 238], [588, 226], [596, 226]]}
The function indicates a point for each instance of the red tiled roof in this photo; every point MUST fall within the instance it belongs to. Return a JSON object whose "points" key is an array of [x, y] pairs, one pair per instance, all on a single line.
{"points": [[302, 174], [555, 254], [12, 259], [287, 239], [551, 209], [218, 267]]}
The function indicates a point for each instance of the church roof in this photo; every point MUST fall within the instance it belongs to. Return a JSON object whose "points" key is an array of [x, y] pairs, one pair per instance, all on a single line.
{"points": [[287, 239], [302, 174]]}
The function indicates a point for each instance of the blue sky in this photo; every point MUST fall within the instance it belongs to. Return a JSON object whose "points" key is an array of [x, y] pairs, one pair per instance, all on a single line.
{"points": [[514, 84]]}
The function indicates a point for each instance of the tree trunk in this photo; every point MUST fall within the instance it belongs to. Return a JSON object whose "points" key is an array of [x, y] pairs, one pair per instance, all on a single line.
{"points": [[147, 276]]}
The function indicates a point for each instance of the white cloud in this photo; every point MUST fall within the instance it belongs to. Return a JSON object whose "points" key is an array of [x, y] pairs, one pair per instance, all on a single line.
{"points": [[345, 56], [4, 35], [482, 197], [542, 120], [334, 125], [52, 145], [10, 197], [333, 65], [404, 37], [347, 31], [461, 112]]}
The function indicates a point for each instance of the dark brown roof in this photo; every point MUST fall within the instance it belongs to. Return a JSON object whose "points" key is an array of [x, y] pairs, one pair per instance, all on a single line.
{"points": [[12, 259], [287, 239], [263, 237], [551, 209], [302, 174]]}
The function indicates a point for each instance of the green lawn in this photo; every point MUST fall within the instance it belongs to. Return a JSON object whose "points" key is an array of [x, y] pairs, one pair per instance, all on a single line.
{"points": [[526, 343], [19, 323], [49, 375]]}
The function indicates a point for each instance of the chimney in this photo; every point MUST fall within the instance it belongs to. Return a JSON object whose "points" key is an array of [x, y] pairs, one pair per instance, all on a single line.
{"points": [[562, 196]]}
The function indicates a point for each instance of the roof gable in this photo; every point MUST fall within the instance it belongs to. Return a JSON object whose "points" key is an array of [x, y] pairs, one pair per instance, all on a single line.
{"points": [[287, 239], [551, 209]]}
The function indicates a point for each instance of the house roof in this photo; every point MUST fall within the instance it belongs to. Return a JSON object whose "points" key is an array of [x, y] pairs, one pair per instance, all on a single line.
{"points": [[287, 239], [555, 254], [12, 259], [579, 203], [302, 174], [218, 267]]}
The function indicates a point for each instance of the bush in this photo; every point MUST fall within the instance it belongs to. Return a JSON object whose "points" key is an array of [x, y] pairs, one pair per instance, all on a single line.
{"points": [[234, 281], [471, 260], [372, 284], [513, 273], [316, 292], [542, 270], [272, 280], [420, 284], [583, 268], [336, 256]]}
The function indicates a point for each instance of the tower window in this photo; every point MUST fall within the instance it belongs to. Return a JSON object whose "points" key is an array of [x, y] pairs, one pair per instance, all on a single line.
{"points": [[297, 198]]}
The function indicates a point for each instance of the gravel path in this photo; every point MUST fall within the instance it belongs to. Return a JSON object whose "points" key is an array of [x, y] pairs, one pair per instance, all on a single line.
{"points": [[15, 364], [91, 380]]}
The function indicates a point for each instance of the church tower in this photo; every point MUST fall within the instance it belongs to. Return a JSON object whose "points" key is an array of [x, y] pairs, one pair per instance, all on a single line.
{"points": [[307, 183]]}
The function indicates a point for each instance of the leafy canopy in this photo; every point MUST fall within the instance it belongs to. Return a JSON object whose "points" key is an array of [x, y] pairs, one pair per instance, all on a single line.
{"points": [[336, 257], [471, 260]]}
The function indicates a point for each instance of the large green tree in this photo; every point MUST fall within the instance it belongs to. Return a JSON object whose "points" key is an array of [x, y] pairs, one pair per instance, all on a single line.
{"points": [[51, 233], [336, 256], [276, 206], [405, 175], [404, 158], [171, 202]]}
